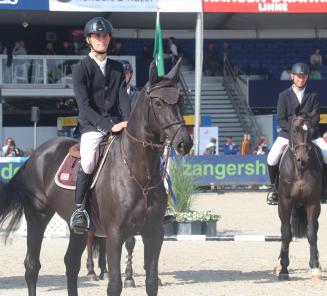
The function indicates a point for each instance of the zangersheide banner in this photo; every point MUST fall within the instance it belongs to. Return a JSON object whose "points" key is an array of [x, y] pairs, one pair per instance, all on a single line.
{"points": [[266, 6]]}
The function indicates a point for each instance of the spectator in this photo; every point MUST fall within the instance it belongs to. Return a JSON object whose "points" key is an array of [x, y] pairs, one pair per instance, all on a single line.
{"points": [[324, 136], [146, 52], [67, 48], [230, 148], [316, 58], [10, 149], [173, 50], [262, 147], [314, 74], [131, 89], [117, 49], [286, 74], [49, 49], [211, 147], [3, 48], [19, 48], [225, 51], [246, 145], [211, 60]]}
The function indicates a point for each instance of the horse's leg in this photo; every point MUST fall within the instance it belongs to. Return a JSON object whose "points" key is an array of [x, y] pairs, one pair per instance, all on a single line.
{"points": [[89, 262], [104, 275], [313, 213], [36, 224], [77, 243], [114, 244], [129, 245], [284, 212], [152, 247]]}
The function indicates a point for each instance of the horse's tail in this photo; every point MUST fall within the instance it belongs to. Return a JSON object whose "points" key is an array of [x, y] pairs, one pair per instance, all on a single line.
{"points": [[96, 246], [11, 208], [299, 222]]}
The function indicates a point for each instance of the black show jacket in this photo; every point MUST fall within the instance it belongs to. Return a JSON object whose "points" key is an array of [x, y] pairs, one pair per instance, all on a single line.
{"points": [[102, 100]]}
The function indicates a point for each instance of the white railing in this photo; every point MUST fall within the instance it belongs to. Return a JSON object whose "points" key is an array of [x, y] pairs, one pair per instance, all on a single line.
{"points": [[43, 69]]}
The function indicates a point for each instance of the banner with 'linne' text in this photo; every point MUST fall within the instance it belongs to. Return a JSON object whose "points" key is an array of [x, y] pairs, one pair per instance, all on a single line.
{"points": [[266, 6]]}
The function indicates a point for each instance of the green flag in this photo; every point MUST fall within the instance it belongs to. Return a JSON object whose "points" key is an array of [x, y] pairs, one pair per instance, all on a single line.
{"points": [[158, 49]]}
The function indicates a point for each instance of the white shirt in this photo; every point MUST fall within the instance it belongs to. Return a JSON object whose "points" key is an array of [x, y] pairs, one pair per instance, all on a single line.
{"points": [[101, 64], [299, 94]]}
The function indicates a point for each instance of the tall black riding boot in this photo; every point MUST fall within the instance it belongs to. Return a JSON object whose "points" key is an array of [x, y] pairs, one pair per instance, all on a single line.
{"points": [[324, 184], [272, 197], [79, 221]]}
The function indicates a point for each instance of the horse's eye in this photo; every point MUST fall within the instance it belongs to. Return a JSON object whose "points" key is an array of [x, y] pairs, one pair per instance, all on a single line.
{"points": [[158, 103]]}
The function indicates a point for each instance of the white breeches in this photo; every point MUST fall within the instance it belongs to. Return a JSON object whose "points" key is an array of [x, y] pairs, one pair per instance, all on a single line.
{"points": [[89, 144], [276, 150]]}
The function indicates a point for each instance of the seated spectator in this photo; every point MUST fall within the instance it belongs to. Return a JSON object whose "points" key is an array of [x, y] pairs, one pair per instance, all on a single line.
{"points": [[262, 147], [10, 149], [211, 147], [49, 49], [286, 74], [117, 49], [3, 48], [246, 145], [230, 148], [211, 60], [19, 48], [146, 52], [315, 58], [324, 136], [67, 48], [314, 74]]}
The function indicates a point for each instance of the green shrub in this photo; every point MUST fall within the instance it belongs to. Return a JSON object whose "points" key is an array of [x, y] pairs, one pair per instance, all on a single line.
{"points": [[184, 186]]}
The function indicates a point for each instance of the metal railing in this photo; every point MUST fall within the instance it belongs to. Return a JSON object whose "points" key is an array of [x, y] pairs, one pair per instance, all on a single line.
{"points": [[188, 106], [43, 70], [239, 102]]}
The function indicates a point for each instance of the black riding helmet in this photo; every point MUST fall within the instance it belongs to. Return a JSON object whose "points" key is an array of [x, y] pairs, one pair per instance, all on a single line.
{"points": [[300, 69], [98, 25]]}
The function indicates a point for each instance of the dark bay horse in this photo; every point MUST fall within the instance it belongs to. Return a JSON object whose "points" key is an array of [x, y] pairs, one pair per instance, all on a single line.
{"points": [[130, 194], [300, 189]]}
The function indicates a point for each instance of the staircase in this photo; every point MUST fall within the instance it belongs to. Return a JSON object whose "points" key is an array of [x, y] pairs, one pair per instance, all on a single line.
{"points": [[216, 103]]}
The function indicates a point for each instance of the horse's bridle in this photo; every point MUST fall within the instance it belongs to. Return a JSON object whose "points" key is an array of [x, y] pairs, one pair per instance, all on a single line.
{"points": [[296, 146], [147, 188]]}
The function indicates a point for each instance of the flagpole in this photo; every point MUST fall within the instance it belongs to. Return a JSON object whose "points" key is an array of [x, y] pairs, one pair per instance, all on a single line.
{"points": [[198, 80]]}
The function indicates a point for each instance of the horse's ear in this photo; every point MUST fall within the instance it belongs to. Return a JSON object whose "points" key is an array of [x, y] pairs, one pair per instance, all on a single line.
{"points": [[174, 72], [312, 114], [297, 110], [153, 73]]}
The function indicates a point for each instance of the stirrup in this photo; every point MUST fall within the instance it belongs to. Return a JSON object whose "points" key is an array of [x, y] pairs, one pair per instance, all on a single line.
{"points": [[80, 230], [270, 200]]}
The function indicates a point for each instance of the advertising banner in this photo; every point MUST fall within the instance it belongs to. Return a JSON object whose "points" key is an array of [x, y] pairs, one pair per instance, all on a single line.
{"points": [[9, 166], [266, 6], [127, 5], [104, 5], [227, 169], [24, 4]]}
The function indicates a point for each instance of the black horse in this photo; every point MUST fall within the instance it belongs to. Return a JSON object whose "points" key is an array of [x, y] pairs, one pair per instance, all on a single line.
{"points": [[130, 194], [300, 189]]}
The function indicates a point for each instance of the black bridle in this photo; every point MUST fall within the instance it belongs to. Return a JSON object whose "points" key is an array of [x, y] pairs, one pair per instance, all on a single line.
{"points": [[302, 144]]}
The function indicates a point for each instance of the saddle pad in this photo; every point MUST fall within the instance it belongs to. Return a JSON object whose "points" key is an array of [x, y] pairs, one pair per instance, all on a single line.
{"points": [[66, 175]]}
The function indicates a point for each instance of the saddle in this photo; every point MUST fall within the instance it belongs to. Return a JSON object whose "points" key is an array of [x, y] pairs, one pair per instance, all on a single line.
{"points": [[67, 173]]}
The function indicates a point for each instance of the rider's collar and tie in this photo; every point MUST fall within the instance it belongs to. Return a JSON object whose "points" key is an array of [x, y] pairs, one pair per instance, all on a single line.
{"points": [[101, 64]]}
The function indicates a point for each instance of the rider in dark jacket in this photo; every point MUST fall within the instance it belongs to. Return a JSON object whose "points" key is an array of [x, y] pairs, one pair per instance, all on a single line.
{"points": [[297, 96], [103, 103]]}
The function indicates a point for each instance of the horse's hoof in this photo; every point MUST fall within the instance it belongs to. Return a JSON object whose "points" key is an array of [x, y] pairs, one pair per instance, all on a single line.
{"points": [[129, 284], [104, 276], [283, 277], [277, 269], [160, 282], [92, 277], [316, 274]]}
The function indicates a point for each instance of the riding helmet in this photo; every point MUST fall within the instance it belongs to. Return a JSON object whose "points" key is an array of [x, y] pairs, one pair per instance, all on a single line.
{"points": [[98, 25], [300, 69]]}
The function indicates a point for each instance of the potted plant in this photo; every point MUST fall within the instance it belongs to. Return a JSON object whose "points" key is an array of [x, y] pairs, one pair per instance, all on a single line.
{"points": [[188, 223], [209, 223]]}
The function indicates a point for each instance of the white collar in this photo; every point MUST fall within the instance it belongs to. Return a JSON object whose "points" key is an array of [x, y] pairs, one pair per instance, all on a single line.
{"points": [[301, 92], [101, 64]]}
